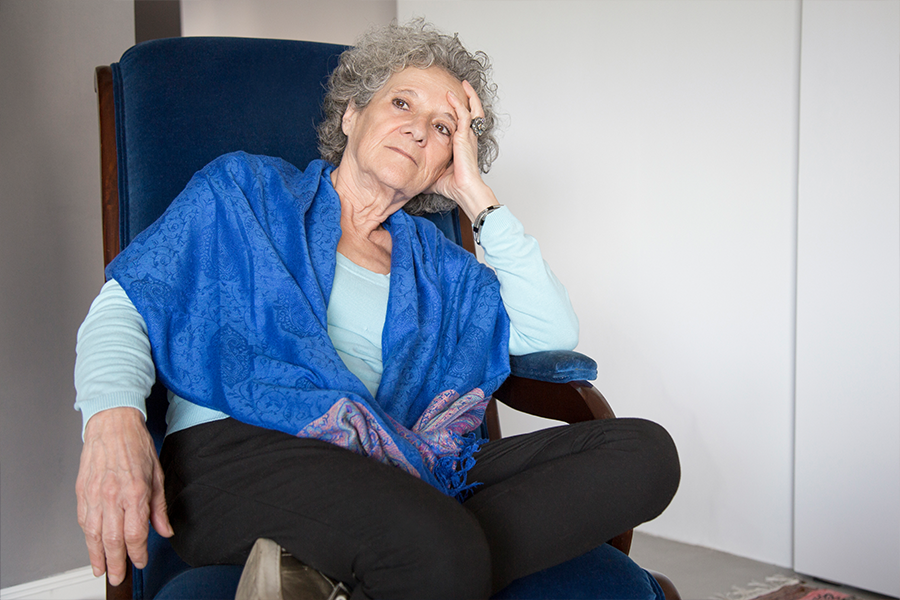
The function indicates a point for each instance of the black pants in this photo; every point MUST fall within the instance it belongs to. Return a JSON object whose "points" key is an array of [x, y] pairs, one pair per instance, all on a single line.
{"points": [[546, 497]]}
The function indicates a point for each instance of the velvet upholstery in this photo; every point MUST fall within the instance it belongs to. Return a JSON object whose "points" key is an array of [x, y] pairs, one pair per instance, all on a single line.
{"points": [[602, 574], [181, 102], [215, 582], [555, 367]]}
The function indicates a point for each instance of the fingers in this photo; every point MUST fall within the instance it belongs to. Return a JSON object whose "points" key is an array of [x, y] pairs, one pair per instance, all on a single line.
{"points": [[90, 515], [461, 181], [462, 113], [133, 522], [466, 111], [91, 522], [159, 513], [476, 109], [102, 521], [120, 489], [114, 545]]}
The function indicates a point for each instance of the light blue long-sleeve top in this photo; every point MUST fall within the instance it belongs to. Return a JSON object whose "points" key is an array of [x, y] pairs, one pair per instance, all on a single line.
{"points": [[114, 367]]}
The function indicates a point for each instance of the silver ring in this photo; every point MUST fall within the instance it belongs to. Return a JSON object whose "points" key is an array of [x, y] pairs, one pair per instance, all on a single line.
{"points": [[479, 126]]}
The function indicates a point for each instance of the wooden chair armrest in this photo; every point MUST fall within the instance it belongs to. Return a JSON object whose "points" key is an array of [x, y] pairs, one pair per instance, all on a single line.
{"points": [[667, 586], [124, 590], [570, 402]]}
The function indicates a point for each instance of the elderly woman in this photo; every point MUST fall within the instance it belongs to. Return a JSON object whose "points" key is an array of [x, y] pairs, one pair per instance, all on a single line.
{"points": [[329, 357]]}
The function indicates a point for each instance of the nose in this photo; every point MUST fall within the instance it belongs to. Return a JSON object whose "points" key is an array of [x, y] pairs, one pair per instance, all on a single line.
{"points": [[416, 127]]}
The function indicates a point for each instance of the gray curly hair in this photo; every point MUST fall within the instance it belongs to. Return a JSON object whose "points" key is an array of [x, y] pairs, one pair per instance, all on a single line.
{"points": [[381, 52]]}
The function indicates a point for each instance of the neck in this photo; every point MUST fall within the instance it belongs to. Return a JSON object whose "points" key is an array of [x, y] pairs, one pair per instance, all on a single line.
{"points": [[363, 237], [364, 207]]}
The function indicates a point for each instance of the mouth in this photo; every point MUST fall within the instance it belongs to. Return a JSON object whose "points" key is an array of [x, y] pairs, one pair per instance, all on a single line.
{"points": [[402, 153]]}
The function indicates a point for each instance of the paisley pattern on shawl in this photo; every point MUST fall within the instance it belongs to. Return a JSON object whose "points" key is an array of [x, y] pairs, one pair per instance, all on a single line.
{"points": [[233, 281]]}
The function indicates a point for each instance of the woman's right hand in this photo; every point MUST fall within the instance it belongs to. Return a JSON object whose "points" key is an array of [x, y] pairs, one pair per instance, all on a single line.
{"points": [[120, 490], [462, 181]]}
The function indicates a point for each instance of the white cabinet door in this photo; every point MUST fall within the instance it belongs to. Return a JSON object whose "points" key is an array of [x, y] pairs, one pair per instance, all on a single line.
{"points": [[847, 456]]}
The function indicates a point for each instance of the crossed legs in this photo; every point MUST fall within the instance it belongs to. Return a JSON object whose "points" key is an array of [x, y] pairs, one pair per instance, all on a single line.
{"points": [[546, 497]]}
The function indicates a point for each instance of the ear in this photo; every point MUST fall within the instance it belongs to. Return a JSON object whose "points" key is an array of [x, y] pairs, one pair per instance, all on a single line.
{"points": [[349, 118]]}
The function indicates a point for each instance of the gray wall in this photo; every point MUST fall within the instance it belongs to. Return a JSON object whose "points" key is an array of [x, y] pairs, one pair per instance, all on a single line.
{"points": [[51, 266], [50, 238]]}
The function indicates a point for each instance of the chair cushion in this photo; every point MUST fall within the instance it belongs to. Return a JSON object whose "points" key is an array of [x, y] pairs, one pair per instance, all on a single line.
{"points": [[215, 582], [602, 574], [555, 367]]}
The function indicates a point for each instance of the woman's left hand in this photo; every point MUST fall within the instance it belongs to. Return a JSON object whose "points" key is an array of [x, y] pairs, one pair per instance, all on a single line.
{"points": [[461, 181]]}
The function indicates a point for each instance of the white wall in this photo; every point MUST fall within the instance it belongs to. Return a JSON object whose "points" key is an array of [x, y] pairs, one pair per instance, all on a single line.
{"points": [[651, 147], [848, 298], [333, 21], [51, 265]]}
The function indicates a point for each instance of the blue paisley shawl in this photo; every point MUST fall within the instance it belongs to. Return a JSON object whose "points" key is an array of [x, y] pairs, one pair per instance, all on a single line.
{"points": [[233, 281]]}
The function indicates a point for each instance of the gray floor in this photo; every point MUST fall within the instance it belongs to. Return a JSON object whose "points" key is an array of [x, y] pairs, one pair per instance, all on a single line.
{"points": [[701, 573]]}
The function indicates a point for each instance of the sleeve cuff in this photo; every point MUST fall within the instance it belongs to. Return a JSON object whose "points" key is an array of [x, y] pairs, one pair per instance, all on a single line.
{"points": [[91, 407]]}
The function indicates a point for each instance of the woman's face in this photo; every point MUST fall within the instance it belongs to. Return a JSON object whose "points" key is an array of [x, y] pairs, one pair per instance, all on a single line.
{"points": [[402, 140]]}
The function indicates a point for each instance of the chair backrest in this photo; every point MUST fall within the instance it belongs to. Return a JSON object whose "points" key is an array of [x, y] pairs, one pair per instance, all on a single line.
{"points": [[181, 102]]}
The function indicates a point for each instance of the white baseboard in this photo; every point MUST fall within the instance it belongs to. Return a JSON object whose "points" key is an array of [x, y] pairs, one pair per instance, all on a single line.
{"points": [[79, 584]]}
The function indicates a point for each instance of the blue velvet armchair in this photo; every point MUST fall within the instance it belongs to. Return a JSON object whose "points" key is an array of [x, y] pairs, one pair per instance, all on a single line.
{"points": [[170, 106]]}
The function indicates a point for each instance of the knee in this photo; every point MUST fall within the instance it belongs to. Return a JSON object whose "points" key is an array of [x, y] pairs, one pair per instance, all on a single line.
{"points": [[659, 466]]}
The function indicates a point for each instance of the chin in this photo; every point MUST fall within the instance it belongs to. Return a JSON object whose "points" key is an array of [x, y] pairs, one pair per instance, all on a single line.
{"points": [[401, 178]]}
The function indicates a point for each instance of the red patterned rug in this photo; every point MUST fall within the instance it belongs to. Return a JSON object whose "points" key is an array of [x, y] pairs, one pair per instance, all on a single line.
{"points": [[784, 588]]}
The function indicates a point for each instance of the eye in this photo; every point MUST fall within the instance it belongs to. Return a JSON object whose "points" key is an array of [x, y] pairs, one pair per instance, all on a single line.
{"points": [[443, 129], [400, 103]]}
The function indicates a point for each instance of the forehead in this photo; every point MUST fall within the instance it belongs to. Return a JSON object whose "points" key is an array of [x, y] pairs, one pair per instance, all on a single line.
{"points": [[433, 81]]}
